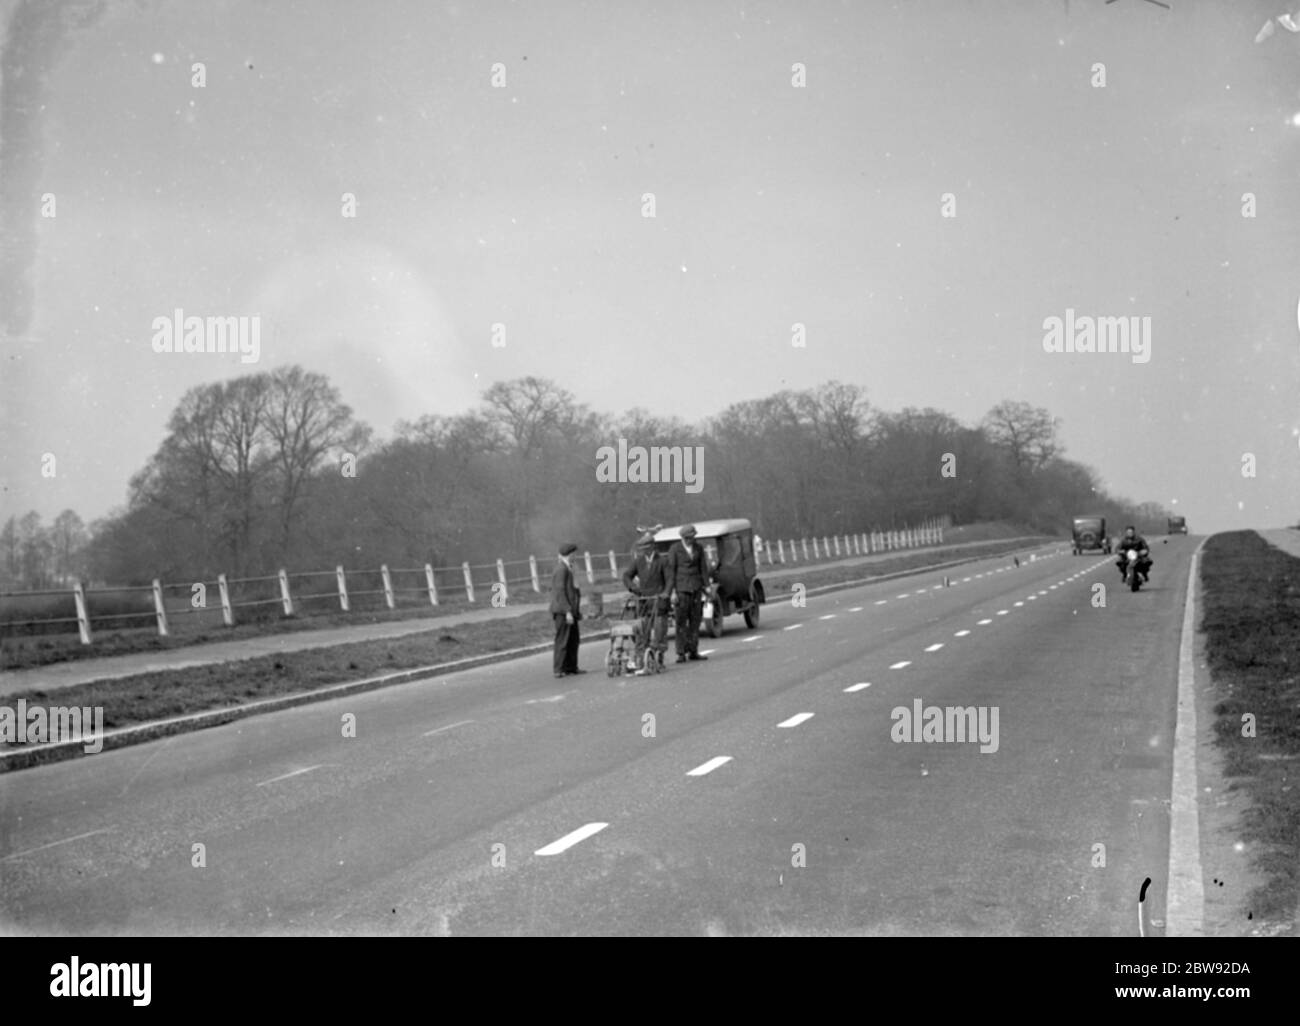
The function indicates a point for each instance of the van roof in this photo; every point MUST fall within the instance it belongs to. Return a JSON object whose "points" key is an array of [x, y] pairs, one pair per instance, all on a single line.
{"points": [[704, 529]]}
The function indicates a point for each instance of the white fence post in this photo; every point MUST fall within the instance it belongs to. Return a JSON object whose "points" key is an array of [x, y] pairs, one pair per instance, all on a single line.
{"points": [[227, 613], [837, 545], [591, 574], [343, 588], [433, 587], [159, 609], [284, 592], [613, 565], [501, 576], [83, 617], [469, 581], [780, 549], [805, 547], [532, 569], [816, 552], [388, 585]]}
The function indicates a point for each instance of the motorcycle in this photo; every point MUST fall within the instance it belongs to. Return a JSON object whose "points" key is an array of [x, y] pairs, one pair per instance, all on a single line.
{"points": [[1132, 574]]}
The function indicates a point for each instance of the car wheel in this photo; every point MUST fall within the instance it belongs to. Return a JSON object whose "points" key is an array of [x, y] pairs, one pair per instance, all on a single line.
{"points": [[715, 621], [751, 616]]}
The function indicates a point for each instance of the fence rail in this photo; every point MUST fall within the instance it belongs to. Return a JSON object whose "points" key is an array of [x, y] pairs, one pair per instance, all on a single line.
{"points": [[156, 605]]}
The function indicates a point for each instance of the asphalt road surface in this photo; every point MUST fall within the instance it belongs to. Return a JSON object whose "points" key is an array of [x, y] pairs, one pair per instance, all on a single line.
{"points": [[771, 798]]}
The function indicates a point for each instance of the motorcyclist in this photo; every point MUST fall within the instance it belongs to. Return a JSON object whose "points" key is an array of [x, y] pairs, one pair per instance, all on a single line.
{"points": [[650, 572], [1133, 540]]}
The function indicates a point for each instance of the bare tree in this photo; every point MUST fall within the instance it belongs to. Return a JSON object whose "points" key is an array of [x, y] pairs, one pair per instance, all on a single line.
{"points": [[1027, 434]]}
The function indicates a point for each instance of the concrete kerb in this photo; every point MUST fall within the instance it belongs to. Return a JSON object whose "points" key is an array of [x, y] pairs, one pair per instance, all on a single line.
{"points": [[38, 755]]}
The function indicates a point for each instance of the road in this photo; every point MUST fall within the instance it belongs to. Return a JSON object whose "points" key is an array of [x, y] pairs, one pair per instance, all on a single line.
{"points": [[436, 817]]}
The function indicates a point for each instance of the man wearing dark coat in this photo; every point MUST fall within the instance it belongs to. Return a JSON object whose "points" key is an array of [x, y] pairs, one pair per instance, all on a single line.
{"points": [[566, 612], [649, 571], [689, 575]]}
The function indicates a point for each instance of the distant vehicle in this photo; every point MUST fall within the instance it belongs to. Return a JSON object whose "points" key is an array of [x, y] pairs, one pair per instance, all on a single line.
{"points": [[1177, 525], [1089, 534], [730, 546]]}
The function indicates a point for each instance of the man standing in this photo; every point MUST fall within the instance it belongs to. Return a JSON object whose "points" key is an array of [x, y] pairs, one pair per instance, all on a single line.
{"points": [[650, 572], [566, 612], [689, 574]]}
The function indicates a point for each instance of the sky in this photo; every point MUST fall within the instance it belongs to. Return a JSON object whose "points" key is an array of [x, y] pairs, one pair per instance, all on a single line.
{"points": [[500, 156]]}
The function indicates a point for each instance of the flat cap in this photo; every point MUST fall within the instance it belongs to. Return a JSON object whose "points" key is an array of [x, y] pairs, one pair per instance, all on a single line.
{"points": [[568, 549], [689, 531]]}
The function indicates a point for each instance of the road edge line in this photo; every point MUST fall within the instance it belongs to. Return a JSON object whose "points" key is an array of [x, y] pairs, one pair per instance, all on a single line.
{"points": [[1185, 893]]}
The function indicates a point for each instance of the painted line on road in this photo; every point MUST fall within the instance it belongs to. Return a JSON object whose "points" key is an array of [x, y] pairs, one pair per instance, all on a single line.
{"points": [[792, 627], [752, 637], [707, 651], [1185, 895], [882, 602], [795, 720], [709, 766], [552, 698], [961, 634], [855, 609], [1017, 603], [935, 648], [55, 844], [899, 666], [449, 726], [983, 623], [828, 616], [569, 840], [857, 687], [294, 773]]}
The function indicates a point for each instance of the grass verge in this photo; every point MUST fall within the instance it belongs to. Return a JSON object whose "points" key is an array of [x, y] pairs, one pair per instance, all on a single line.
{"points": [[1251, 622]]}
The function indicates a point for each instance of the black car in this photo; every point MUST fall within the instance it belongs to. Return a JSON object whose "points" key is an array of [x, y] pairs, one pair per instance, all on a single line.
{"points": [[1177, 525], [1089, 534]]}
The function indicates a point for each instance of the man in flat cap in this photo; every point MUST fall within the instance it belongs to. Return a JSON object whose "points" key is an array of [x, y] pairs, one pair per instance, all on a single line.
{"points": [[689, 575], [649, 571], [566, 612]]}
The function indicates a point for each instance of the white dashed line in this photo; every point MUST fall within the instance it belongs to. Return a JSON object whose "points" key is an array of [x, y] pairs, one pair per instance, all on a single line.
{"points": [[55, 844], [935, 648], [286, 776], [882, 602], [709, 766], [983, 623], [792, 627], [552, 698], [905, 594], [1031, 598], [828, 616], [855, 609], [1003, 612], [752, 637], [961, 634], [964, 580], [857, 687], [899, 666], [706, 651], [569, 840], [795, 720], [449, 726], [1017, 603]]}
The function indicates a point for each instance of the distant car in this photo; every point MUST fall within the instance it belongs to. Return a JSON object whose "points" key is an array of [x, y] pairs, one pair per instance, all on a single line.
{"points": [[729, 545], [1089, 534], [1177, 525]]}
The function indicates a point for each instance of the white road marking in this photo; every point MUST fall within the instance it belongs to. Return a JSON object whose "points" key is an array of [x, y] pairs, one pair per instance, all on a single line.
{"points": [[964, 580], [882, 602], [286, 776], [935, 648], [1031, 598], [449, 726], [1185, 896], [709, 766], [54, 844], [752, 637], [983, 622], [855, 609], [961, 634], [1003, 612], [857, 687], [904, 595], [553, 698], [569, 840], [707, 651], [899, 666], [795, 720], [828, 616], [1017, 603], [1042, 593], [792, 627]]}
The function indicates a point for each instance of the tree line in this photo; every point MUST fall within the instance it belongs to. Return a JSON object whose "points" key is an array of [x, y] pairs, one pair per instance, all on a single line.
{"points": [[272, 469]]}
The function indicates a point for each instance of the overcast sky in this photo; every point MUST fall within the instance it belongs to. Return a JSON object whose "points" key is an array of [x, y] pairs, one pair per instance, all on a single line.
{"points": [[774, 204]]}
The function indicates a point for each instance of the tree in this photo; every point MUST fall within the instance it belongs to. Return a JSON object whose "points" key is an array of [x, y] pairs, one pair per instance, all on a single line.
{"points": [[1027, 434]]}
